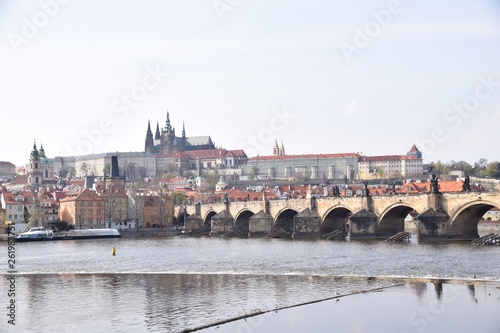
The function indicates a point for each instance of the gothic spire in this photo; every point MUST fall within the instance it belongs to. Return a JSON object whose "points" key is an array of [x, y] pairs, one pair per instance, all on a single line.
{"points": [[183, 130], [149, 144], [157, 134], [167, 125]]}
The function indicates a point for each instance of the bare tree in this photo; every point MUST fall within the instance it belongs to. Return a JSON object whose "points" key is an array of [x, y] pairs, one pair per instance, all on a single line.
{"points": [[137, 208], [79, 213], [112, 205]]}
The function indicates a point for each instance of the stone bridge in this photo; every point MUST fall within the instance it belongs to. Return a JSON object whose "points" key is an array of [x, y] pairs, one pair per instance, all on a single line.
{"points": [[440, 215]]}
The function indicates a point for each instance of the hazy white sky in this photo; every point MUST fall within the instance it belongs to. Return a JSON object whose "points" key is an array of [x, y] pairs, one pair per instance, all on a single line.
{"points": [[323, 76]]}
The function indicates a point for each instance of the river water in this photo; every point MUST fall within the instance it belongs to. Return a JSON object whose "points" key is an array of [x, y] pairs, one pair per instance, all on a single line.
{"points": [[175, 284]]}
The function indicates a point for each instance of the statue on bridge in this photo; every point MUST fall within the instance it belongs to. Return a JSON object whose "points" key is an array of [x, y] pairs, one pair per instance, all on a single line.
{"points": [[434, 184], [466, 184], [366, 191], [335, 191]]}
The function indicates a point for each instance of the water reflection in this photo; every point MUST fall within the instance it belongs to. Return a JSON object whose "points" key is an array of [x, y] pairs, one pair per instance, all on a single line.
{"points": [[173, 302]]}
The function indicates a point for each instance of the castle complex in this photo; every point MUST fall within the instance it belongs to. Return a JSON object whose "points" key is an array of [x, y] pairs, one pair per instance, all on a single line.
{"points": [[166, 142], [186, 154]]}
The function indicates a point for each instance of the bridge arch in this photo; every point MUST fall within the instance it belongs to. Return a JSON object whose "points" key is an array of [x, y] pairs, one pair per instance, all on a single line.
{"points": [[207, 221], [335, 219], [466, 219], [242, 221], [284, 219], [392, 219]]}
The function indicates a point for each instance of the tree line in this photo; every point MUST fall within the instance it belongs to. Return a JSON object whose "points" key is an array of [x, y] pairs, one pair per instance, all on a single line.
{"points": [[482, 168]]}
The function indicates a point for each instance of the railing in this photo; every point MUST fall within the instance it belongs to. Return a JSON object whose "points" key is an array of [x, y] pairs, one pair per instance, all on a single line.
{"points": [[331, 235], [489, 239], [403, 236]]}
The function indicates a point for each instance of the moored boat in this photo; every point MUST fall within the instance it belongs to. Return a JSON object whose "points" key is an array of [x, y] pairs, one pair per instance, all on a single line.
{"points": [[35, 234], [92, 234], [40, 234]]}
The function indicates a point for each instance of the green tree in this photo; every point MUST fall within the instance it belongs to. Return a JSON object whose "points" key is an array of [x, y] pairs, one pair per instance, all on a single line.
{"points": [[179, 198], [480, 166], [84, 168], [107, 170], [380, 172], [211, 178], [71, 172], [492, 170], [130, 171], [171, 171]]}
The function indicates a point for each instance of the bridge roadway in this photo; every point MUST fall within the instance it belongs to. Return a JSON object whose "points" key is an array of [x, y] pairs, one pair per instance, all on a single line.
{"points": [[440, 216]]}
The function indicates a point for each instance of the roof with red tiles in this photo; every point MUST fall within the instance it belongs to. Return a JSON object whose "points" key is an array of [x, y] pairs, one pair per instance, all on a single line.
{"points": [[304, 156], [414, 149], [7, 164], [20, 180], [387, 158]]}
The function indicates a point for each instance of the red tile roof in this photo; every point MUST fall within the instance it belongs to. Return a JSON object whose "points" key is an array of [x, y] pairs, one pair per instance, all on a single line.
{"points": [[20, 180], [387, 158], [290, 157]]}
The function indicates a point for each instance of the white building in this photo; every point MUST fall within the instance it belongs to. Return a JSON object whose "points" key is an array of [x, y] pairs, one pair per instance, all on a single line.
{"points": [[391, 166]]}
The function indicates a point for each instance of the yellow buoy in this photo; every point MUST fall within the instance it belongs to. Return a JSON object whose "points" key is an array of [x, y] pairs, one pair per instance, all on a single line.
{"points": [[113, 250]]}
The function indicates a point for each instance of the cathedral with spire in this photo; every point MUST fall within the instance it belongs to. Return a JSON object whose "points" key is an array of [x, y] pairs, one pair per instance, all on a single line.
{"points": [[166, 142]]}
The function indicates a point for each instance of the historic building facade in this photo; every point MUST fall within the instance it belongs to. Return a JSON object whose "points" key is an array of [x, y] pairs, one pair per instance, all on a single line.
{"points": [[392, 166], [312, 166]]}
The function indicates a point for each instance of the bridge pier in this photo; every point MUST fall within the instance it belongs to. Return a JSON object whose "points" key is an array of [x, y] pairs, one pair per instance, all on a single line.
{"points": [[433, 225], [194, 222], [363, 224], [260, 224], [306, 224], [222, 223]]}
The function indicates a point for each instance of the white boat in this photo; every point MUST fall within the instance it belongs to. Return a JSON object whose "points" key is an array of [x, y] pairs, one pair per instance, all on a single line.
{"points": [[36, 233], [92, 233], [40, 234]]}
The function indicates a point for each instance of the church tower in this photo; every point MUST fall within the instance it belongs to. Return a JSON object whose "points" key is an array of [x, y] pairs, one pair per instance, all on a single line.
{"points": [[149, 146], [41, 168], [275, 148], [168, 137], [34, 171], [282, 149]]}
